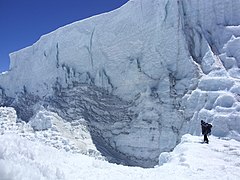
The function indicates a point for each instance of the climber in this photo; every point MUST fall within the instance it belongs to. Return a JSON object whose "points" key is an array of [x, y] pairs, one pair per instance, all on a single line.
{"points": [[206, 130]]}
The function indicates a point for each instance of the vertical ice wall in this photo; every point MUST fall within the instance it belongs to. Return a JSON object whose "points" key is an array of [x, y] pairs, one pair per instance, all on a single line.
{"points": [[212, 29], [124, 51]]}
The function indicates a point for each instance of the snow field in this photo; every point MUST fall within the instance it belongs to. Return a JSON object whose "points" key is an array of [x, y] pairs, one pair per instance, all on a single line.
{"points": [[21, 159]]}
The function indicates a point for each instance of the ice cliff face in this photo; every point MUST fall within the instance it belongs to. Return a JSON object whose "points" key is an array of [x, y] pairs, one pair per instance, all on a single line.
{"points": [[142, 75]]}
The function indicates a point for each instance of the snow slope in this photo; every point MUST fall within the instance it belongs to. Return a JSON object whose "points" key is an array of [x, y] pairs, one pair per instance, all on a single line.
{"points": [[140, 76], [189, 160]]}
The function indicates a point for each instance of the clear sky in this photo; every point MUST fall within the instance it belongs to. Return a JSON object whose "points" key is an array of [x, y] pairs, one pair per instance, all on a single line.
{"points": [[22, 22]]}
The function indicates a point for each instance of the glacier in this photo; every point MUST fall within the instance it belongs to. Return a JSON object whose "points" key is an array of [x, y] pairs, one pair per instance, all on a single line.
{"points": [[140, 76]]}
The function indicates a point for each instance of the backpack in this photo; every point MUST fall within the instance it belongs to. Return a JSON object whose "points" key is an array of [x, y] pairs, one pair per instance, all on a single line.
{"points": [[209, 127]]}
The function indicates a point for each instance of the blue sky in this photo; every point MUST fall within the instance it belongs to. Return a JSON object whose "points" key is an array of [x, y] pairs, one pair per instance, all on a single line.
{"points": [[22, 22]]}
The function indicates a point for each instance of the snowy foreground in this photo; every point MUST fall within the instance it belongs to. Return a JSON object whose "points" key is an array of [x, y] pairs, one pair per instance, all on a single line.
{"points": [[22, 157]]}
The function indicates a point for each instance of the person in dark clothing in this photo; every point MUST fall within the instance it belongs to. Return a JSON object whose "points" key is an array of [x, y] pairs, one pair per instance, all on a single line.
{"points": [[206, 130]]}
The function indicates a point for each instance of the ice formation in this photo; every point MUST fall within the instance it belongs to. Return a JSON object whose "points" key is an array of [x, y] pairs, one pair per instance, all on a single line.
{"points": [[141, 76]]}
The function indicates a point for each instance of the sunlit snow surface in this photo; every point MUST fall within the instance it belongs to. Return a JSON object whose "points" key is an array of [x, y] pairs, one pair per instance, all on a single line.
{"points": [[22, 158]]}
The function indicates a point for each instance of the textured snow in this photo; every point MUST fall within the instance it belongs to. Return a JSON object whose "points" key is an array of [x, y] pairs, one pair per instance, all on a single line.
{"points": [[72, 137], [189, 160], [140, 76], [42, 121], [26, 155]]}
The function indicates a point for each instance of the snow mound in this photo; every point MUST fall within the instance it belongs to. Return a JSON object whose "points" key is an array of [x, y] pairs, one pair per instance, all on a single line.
{"points": [[219, 158], [225, 101], [42, 120], [62, 135]]}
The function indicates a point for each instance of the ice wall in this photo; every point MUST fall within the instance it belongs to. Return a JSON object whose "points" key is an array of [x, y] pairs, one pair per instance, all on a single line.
{"points": [[167, 64], [212, 31], [124, 51]]}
